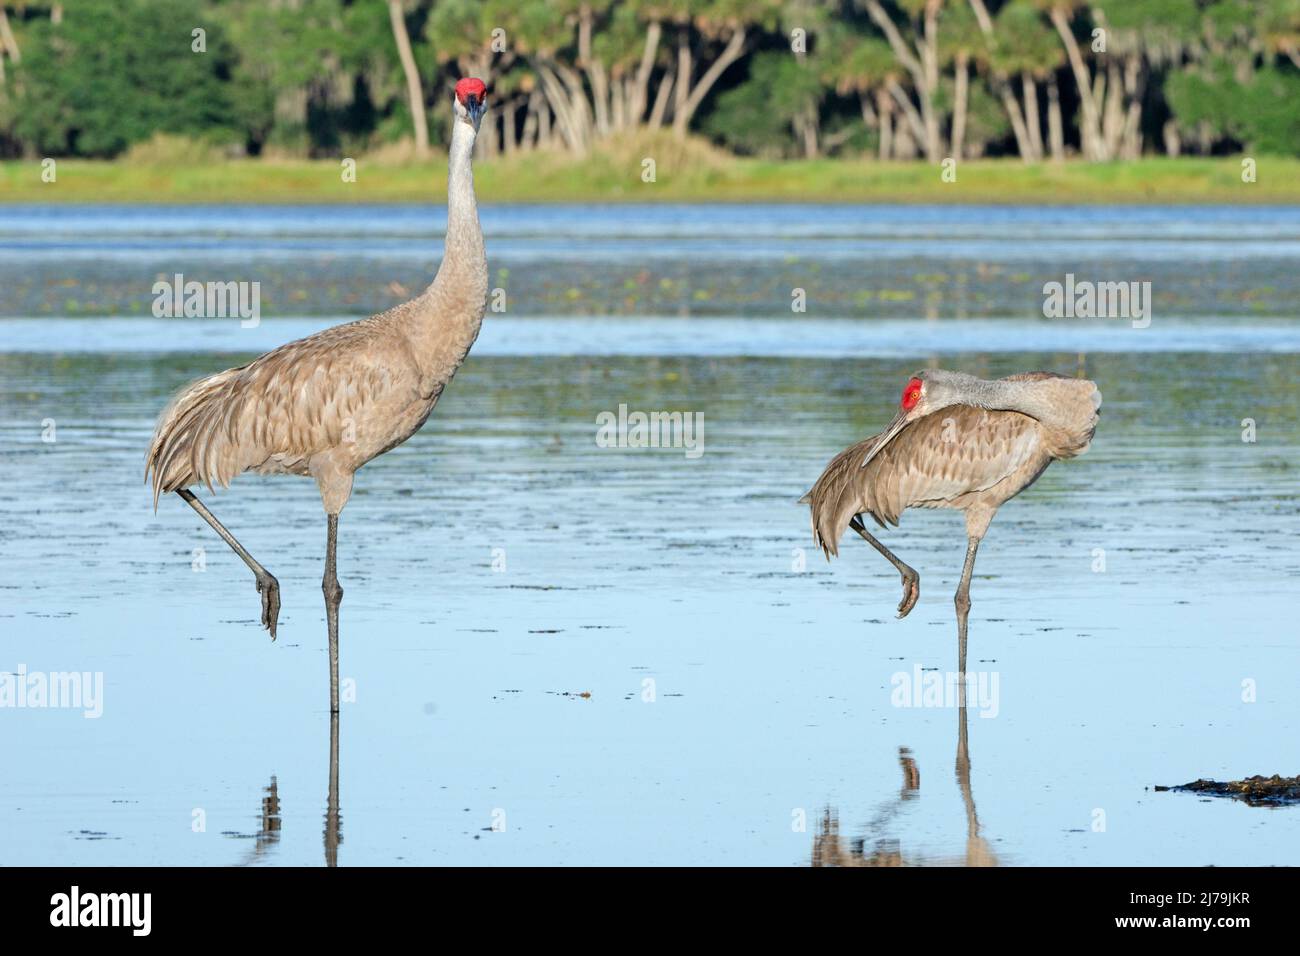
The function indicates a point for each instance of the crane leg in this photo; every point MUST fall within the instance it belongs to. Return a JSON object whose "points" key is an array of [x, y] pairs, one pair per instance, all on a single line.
{"points": [[267, 585], [911, 580], [962, 600], [333, 597]]}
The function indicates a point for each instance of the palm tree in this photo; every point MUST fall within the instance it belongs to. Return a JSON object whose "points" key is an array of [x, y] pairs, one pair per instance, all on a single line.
{"points": [[1143, 35], [1027, 48], [999, 80], [630, 48], [1061, 13], [414, 92], [712, 21], [864, 65], [551, 38], [921, 60], [962, 45]]}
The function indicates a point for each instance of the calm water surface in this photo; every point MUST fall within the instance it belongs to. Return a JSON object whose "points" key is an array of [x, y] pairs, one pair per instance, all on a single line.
{"points": [[870, 262], [514, 593]]}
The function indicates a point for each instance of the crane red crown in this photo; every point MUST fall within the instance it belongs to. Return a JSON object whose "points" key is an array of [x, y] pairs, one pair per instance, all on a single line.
{"points": [[470, 86], [911, 394]]}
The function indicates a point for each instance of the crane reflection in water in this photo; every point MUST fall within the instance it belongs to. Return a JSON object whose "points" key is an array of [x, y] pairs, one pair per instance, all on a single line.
{"points": [[828, 846], [268, 834]]}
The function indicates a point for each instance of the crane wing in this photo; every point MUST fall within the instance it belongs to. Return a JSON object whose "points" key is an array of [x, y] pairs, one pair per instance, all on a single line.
{"points": [[934, 461], [943, 457], [275, 413]]}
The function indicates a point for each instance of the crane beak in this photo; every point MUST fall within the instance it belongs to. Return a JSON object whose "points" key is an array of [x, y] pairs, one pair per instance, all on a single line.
{"points": [[896, 426], [477, 106]]}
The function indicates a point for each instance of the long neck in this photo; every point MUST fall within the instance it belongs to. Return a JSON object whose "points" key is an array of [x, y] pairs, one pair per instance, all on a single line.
{"points": [[1002, 395], [463, 257], [444, 321]]}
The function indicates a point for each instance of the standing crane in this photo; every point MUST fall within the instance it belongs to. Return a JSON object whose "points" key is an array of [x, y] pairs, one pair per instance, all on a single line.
{"points": [[956, 442], [325, 405]]}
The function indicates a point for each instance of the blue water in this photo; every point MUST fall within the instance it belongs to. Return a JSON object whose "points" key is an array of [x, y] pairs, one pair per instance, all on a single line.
{"points": [[723, 261], [708, 336], [501, 565]]}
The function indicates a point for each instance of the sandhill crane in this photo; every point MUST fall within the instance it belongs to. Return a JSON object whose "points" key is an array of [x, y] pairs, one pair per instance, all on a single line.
{"points": [[325, 405], [992, 441]]}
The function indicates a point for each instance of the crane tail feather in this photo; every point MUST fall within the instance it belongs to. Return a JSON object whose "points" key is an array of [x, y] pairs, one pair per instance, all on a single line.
{"points": [[178, 455]]}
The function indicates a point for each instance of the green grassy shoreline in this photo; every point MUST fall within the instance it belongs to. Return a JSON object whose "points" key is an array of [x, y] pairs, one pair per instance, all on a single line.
{"points": [[687, 174]]}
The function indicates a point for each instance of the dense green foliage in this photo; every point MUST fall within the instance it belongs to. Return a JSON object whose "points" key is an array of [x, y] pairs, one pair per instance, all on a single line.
{"points": [[116, 73], [1264, 110], [895, 79]]}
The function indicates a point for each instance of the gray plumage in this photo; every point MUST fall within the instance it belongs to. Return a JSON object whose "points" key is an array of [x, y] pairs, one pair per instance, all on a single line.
{"points": [[324, 405], [968, 458], [965, 443]]}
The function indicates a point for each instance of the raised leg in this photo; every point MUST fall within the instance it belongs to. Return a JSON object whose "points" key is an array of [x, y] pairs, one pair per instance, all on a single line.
{"points": [[267, 585], [911, 580], [962, 600], [333, 597]]}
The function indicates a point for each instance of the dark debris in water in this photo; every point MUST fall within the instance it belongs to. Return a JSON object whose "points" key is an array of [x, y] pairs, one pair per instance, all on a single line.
{"points": [[1257, 791]]}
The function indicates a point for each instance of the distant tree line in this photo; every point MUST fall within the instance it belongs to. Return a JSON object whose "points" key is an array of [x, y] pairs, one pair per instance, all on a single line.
{"points": [[897, 79]]}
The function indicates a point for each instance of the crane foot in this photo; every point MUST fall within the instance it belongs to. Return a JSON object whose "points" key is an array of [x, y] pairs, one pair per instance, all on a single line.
{"points": [[911, 592], [269, 588]]}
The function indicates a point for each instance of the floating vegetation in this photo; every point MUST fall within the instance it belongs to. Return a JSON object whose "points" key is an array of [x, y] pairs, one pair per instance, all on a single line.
{"points": [[1257, 791]]}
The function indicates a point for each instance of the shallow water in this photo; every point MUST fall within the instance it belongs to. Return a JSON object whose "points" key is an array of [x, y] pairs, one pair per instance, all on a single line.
{"points": [[871, 262], [772, 671]]}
